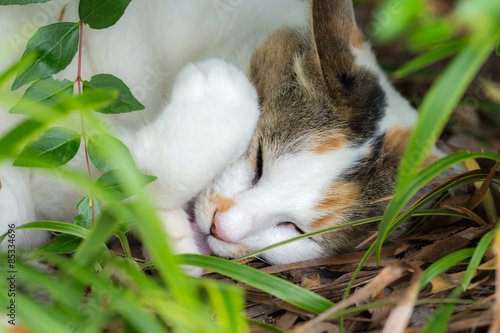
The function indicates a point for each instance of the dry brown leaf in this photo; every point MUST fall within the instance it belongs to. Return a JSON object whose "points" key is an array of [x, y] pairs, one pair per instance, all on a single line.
{"points": [[401, 315], [488, 266], [469, 213], [455, 200], [491, 89], [379, 313], [471, 324], [320, 328], [347, 258], [439, 283], [440, 249], [478, 282], [311, 281], [475, 232], [384, 278], [483, 194], [495, 327], [287, 321]]}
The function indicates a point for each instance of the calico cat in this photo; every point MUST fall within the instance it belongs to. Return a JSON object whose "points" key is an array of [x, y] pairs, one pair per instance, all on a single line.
{"points": [[328, 143], [307, 141]]}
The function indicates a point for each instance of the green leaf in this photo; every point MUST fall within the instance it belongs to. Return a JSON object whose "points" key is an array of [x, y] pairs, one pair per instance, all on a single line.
{"points": [[273, 285], [100, 156], [56, 147], [55, 46], [64, 243], [393, 17], [88, 100], [109, 182], [85, 218], [430, 34], [498, 50], [48, 91], [479, 14], [20, 2], [125, 101], [432, 56], [12, 141], [100, 14]]}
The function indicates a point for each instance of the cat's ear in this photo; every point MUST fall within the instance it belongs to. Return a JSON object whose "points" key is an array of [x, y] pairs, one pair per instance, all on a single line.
{"points": [[334, 35], [351, 83]]}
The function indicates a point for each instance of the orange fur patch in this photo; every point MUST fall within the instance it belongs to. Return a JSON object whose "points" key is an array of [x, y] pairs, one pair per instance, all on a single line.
{"points": [[222, 203], [324, 144], [396, 139], [336, 200], [429, 160], [356, 38]]}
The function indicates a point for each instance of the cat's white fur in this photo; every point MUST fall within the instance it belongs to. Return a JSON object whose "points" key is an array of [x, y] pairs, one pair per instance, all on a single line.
{"points": [[192, 127]]}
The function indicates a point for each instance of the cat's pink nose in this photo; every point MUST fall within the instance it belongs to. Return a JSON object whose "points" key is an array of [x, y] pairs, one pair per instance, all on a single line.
{"points": [[217, 231]]}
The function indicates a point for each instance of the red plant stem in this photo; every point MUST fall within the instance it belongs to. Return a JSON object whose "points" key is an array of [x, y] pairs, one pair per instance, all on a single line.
{"points": [[79, 77], [84, 134]]}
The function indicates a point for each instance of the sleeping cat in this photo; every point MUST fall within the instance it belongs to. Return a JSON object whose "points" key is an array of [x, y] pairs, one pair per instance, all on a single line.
{"points": [[327, 143]]}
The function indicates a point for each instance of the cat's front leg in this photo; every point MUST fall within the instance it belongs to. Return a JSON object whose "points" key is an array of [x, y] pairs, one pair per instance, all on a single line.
{"points": [[176, 222], [207, 125]]}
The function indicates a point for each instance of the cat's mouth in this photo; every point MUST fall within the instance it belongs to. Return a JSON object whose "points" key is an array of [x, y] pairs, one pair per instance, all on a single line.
{"points": [[290, 225]]}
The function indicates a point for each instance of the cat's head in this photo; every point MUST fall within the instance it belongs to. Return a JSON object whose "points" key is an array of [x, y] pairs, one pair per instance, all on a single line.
{"points": [[328, 144]]}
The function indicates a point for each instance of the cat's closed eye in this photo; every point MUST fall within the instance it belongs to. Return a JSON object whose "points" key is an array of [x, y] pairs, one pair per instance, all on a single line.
{"points": [[259, 165]]}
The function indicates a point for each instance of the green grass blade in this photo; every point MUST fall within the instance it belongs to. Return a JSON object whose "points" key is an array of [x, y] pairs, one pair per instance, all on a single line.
{"points": [[475, 261], [55, 226], [411, 188], [273, 285], [430, 57], [439, 319], [124, 242], [434, 113], [439, 102], [443, 264], [229, 303], [94, 243]]}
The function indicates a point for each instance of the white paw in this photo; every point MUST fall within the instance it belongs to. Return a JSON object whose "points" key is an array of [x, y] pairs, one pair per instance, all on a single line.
{"points": [[181, 235], [221, 103], [207, 125]]}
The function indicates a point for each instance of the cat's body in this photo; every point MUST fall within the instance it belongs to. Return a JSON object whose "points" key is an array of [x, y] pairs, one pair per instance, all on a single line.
{"points": [[328, 142]]}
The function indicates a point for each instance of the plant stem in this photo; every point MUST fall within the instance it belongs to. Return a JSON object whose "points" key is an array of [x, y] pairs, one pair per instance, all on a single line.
{"points": [[84, 134]]}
